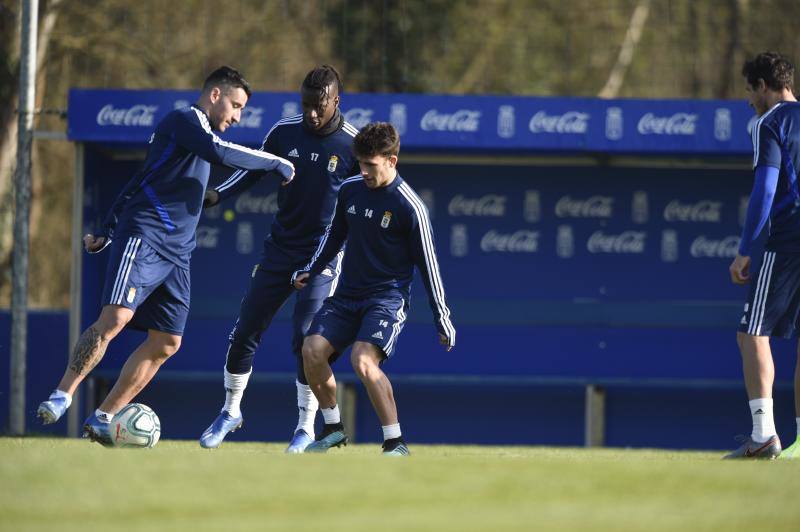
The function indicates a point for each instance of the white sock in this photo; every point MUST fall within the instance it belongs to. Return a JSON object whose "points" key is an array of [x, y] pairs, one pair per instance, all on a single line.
{"points": [[58, 394], [331, 415], [307, 406], [391, 431], [763, 421], [234, 390], [103, 417]]}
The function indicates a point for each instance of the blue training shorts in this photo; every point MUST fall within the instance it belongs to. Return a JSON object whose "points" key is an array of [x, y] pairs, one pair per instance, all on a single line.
{"points": [[377, 320], [773, 304], [155, 288]]}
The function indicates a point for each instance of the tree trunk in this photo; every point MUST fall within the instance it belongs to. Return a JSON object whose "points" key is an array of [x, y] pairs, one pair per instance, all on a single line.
{"points": [[632, 36], [8, 148]]}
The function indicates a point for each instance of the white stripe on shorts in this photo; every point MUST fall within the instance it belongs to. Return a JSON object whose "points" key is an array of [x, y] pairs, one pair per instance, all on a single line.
{"points": [[401, 317], [124, 270], [337, 272], [762, 290]]}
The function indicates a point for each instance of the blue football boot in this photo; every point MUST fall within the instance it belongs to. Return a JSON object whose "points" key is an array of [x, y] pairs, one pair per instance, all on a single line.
{"points": [[51, 410], [225, 423], [96, 430], [299, 442], [333, 435], [395, 447]]}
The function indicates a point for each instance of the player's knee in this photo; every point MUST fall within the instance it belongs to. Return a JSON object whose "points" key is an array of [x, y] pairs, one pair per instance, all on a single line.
{"points": [[312, 353], [167, 345], [364, 366], [112, 320], [741, 339]]}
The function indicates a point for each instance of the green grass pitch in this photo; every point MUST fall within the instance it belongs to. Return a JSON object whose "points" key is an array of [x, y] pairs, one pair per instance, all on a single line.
{"points": [[68, 484]]}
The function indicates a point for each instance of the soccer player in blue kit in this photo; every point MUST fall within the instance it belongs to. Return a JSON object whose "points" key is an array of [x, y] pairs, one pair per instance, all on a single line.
{"points": [[318, 142], [773, 303], [388, 232], [151, 230]]}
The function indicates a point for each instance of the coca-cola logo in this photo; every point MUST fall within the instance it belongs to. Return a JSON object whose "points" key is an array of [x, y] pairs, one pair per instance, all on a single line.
{"points": [[248, 203], [489, 205], [702, 211], [136, 115], [571, 122], [251, 118], [359, 117], [591, 207], [462, 120], [207, 237], [518, 242], [625, 242], [677, 124], [723, 248]]}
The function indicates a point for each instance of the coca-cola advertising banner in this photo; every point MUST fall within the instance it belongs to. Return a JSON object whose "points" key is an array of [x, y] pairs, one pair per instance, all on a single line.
{"points": [[453, 122], [549, 270]]}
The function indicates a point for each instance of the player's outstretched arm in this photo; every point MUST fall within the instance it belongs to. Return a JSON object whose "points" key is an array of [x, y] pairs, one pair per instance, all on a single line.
{"points": [[194, 133], [241, 180]]}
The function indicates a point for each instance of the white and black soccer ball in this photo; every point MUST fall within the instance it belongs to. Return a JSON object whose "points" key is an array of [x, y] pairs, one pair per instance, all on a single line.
{"points": [[136, 425]]}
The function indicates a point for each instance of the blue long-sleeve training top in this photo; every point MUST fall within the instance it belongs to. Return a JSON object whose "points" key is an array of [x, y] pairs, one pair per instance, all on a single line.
{"points": [[388, 232], [162, 202], [322, 160], [776, 196]]}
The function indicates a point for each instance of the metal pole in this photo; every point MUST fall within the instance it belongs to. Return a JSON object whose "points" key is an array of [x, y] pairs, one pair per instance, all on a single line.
{"points": [[74, 414], [22, 182]]}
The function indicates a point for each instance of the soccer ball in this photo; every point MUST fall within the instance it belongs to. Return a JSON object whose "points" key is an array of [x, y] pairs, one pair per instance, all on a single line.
{"points": [[136, 425]]}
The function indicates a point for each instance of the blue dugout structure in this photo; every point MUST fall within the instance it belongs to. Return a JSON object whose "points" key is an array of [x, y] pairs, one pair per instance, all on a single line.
{"points": [[584, 247]]}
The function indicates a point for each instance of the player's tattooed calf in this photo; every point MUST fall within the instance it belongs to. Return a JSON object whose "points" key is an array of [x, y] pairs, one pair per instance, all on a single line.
{"points": [[87, 352]]}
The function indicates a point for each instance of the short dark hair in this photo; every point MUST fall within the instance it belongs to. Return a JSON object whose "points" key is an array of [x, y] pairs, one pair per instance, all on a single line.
{"points": [[227, 77], [320, 78], [776, 71], [377, 138]]}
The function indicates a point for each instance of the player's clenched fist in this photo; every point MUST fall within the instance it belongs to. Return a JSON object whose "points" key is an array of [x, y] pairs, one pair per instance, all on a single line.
{"points": [[95, 244]]}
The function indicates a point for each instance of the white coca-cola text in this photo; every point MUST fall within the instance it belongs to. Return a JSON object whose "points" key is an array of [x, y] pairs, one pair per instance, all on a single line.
{"points": [[518, 242], [461, 120], [136, 115], [677, 124], [723, 248], [248, 203], [489, 205], [573, 122], [702, 211], [591, 207], [625, 242]]}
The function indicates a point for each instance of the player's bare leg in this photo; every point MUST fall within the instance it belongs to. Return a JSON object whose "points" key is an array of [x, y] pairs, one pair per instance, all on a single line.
{"points": [[759, 369], [366, 359], [87, 353], [140, 368], [316, 360], [316, 353], [759, 375]]}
